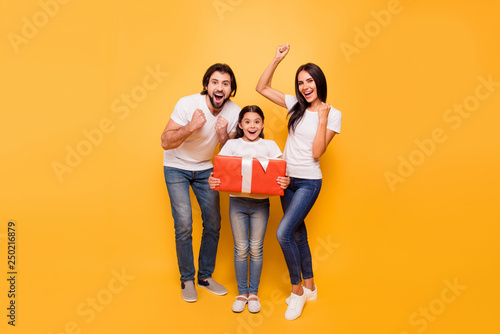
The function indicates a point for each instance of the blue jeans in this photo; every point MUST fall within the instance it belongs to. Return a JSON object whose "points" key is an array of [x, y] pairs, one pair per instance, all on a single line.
{"points": [[178, 182], [249, 218], [297, 201]]}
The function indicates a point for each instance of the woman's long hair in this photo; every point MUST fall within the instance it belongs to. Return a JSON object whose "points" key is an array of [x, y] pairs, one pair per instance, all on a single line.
{"points": [[299, 109], [255, 109]]}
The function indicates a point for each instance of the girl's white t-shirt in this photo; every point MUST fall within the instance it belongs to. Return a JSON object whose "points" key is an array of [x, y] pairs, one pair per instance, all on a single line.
{"points": [[298, 147], [262, 147]]}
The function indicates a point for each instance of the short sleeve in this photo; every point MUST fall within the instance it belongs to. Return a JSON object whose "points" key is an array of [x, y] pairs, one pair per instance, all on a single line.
{"points": [[334, 120], [233, 129], [274, 150], [231, 112], [290, 101], [227, 149], [180, 114]]}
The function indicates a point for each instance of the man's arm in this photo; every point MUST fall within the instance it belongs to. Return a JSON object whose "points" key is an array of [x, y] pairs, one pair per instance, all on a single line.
{"points": [[174, 134], [221, 129]]}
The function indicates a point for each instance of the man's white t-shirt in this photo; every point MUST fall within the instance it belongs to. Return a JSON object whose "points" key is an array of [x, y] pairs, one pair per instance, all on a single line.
{"points": [[196, 152], [262, 147], [298, 147]]}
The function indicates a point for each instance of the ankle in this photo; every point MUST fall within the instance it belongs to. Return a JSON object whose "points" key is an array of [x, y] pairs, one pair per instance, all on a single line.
{"points": [[242, 297], [297, 289], [309, 283]]}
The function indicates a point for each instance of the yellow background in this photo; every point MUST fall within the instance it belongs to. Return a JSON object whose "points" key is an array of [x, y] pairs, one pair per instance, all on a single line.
{"points": [[383, 255]]}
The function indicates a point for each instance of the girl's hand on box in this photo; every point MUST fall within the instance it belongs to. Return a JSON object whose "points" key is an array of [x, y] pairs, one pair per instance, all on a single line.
{"points": [[213, 182]]}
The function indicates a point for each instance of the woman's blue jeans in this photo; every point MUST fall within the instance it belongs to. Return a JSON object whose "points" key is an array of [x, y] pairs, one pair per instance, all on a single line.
{"points": [[248, 218], [297, 201], [178, 182]]}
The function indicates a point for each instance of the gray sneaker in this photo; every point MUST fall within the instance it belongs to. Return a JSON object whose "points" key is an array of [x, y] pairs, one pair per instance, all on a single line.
{"points": [[188, 291], [212, 286]]}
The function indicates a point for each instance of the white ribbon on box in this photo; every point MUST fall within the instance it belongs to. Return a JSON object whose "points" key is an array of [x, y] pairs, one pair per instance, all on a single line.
{"points": [[246, 171]]}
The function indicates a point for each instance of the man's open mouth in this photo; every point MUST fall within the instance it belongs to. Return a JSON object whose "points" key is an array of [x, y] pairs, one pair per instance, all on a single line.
{"points": [[218, 97]]}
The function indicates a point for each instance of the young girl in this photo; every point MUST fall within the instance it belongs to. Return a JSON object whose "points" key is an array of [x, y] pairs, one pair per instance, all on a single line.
{"points": [[311, 127], [249, 213]]}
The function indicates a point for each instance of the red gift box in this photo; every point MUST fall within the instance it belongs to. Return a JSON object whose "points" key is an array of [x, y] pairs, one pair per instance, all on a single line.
{"points": [[249, 175]]}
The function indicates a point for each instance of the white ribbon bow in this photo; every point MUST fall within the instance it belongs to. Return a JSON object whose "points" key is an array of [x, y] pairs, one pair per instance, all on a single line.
{"points": [[246, 171]]}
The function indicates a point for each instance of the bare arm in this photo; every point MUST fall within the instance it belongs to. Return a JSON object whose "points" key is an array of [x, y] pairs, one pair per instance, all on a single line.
{"points": [[323, 135], [264, 85], [221, 129], [174, 134], [231, 135], [283, 181]]}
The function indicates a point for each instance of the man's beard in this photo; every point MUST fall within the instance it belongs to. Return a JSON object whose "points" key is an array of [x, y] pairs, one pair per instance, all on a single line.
{"points": [[216, 105]]}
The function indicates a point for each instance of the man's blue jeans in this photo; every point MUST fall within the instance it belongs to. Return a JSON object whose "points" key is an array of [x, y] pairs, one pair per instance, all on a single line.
{"points": [[297, 201], [178, 182]]}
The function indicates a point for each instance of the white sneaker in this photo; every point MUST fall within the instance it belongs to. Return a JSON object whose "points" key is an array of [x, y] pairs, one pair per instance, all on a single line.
{"points": [[239, 305], [253, 304], [311, 295], [295, 306]]}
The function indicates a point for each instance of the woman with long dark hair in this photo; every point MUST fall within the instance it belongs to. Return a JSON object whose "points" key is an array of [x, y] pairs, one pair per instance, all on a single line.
{"points": [[312, 125]]}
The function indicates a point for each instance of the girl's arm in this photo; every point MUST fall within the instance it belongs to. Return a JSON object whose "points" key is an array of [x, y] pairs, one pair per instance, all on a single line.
{"points": [[213, 182], [264, 84], [323, 135]]}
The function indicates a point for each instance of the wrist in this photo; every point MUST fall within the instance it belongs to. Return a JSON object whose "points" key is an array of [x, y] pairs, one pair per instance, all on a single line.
{"points": [[223, 136], [190, 127]]}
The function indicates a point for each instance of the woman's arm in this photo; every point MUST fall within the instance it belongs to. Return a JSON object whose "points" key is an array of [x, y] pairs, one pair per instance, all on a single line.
{"points": [[283, 181], [323, 135], [264, 84]]}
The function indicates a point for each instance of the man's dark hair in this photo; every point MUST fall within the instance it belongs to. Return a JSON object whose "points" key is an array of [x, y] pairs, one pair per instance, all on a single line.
{"points": [[223, 68]]}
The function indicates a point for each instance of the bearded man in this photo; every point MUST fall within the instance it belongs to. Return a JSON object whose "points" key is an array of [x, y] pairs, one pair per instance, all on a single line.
{"points": [[198, 123]]}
